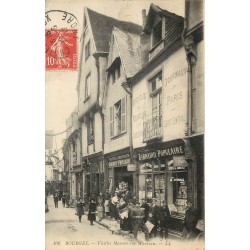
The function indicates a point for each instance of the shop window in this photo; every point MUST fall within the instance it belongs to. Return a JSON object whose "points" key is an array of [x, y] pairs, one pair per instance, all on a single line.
{"points": [[177, 191], [118, 118], [87, 87], [87, 50]]}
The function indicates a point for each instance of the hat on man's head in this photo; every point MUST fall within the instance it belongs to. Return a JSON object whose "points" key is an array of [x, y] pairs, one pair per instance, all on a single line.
{"points": [[137, 202], [164, 201]]}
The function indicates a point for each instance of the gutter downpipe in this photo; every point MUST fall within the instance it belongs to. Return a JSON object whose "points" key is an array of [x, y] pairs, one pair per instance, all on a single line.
{"points": [[188, 108]]}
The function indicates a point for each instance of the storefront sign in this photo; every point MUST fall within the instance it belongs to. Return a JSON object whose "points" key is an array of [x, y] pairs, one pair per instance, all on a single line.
{"points": [[179, 163], [131, 167], [148, 168], [176, 168], [161, 153], [120, 162]]}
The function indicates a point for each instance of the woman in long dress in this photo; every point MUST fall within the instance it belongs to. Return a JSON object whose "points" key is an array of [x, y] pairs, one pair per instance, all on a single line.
{"points": [[80, 209], [92, 211]]}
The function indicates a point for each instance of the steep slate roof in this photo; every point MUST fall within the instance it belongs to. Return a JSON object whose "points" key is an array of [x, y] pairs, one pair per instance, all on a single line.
{"points": [[129, 50], [153, 10], [102, 26]]}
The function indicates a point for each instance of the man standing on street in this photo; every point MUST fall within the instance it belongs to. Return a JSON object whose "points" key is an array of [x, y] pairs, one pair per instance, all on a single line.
{"points": [[138, 215], [164, 217], [152, 217], [146, 208], [190, 221], [56, 197]]}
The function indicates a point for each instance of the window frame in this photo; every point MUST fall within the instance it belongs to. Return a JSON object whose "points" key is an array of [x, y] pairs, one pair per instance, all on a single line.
{"points": [[87, 87], [122, 118], [87, 50], [155, 30], [157, 95], [90, 131]]}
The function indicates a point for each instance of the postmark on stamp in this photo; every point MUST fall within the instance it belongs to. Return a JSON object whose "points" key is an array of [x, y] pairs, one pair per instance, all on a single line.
{"points": [[61, 49]]}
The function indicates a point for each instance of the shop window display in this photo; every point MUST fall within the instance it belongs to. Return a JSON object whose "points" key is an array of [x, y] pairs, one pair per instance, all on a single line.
{"points": [[177, 191], [157, 181]]}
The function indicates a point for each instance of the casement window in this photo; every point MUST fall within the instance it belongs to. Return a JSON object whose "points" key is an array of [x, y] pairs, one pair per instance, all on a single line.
{"points": [[87, 50], [118, 118], [118, 70], [87, 87], [90, 129], [156, 95], [157, 33]]}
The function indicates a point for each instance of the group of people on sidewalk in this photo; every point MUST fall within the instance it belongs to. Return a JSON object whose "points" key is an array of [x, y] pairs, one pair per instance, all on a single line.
{"points": [[64, 197], [133, 214]]}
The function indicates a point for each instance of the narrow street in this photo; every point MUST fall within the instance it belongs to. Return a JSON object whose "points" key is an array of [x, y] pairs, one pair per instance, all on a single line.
{"points": [[64, 232]]}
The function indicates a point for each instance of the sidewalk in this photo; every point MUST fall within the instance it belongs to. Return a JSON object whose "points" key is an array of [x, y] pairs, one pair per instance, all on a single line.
{"points": [[114, 227]]}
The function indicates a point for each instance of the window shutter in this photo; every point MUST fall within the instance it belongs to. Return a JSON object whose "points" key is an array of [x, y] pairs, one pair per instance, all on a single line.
{"points": [[123, 114], [111, 122]]}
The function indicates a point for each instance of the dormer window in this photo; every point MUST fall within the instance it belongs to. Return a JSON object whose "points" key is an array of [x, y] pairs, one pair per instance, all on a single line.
{"points": [[115, 70], [157, 33]]}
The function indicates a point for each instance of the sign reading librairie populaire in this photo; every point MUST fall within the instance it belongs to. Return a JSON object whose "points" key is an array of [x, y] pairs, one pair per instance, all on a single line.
{"points": [[178, 150]]}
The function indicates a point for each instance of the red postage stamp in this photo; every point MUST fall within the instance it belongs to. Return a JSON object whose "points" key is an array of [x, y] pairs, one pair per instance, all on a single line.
{"points": [[61, 49]]}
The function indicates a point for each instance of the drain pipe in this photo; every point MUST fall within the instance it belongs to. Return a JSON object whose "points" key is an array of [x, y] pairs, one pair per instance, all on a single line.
{"points": [[188, 111], [191, 57]]}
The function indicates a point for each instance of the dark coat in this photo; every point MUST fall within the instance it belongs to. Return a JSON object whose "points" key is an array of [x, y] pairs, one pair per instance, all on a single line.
{"points": [[63, 198], [146, 210], [137, 215], [92, 212], [154, 211], [163, 216], [56, 197], [80, 208], [191, 218]]}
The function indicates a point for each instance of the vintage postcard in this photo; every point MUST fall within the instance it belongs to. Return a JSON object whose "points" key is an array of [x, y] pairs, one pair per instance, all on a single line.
{"points": [[124, 153]]}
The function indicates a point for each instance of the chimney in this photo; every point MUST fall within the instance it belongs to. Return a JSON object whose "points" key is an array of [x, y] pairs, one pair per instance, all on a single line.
{"points": [[144, 18]]}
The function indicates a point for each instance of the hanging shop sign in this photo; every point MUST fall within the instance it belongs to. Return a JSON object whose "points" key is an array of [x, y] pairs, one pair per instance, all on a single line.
{"points": [[178, 163], [131, 167], [179, 150], [148, 168]]}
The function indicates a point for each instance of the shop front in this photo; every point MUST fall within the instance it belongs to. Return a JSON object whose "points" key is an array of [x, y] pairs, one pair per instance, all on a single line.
{"points": [[121, 173], [94, 176], [165, 173], [77, 182]]}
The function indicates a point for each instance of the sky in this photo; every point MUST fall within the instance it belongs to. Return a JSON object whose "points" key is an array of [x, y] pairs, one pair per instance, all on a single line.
{"points": [[60, 87]]}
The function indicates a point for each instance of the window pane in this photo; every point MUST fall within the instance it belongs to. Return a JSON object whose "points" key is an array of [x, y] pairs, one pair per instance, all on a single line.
{"points": [[123, 115], [153, 84], [111, 122]]}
